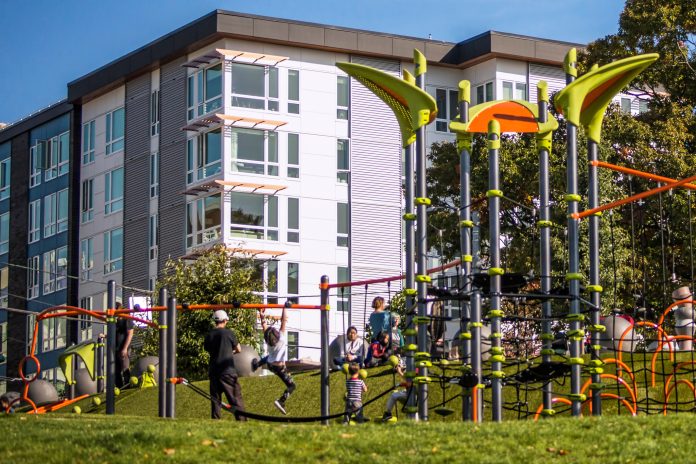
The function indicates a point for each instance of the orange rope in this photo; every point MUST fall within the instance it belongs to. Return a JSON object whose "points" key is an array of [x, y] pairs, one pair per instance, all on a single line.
{"points": [[635, 172]]}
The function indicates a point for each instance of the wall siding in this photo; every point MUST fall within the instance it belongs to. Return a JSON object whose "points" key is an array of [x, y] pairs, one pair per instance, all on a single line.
{"points": [[554, 77]]}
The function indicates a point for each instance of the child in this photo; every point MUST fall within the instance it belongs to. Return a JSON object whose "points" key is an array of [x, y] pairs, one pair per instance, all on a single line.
{"points": [[354, 390], [398, 395], [277, 342], [380, 350]]}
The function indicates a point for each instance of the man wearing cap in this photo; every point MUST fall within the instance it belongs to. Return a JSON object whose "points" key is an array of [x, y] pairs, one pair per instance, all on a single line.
{"points": [[222, 343]]}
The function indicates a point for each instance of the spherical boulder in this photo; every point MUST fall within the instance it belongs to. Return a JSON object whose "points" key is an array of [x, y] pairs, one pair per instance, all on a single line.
{"points": [[243, 360], [618, 327], [84, 384], [42, 392]]}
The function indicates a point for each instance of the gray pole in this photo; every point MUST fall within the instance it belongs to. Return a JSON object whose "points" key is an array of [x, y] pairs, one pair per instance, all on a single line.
{"points": [[573, 277], [162, 380], [100, 365], [422, 244], [410, 290], [495, 271], [475, 325], [325, 379], [595, 288], [544, 148], [465, 226], [110, 348], [71, 388], [171, 356]]}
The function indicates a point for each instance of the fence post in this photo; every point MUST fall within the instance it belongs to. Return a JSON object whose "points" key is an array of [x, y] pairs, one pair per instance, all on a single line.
{"points": [[111, 348], [325, 379], [162, 380], [171, 356]]}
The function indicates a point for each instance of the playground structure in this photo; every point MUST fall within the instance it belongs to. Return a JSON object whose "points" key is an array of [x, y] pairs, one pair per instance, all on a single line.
{"points": [[490, 360]]}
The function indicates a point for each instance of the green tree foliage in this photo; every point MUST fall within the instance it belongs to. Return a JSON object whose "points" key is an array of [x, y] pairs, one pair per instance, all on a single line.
{"points": [[216, 277]]}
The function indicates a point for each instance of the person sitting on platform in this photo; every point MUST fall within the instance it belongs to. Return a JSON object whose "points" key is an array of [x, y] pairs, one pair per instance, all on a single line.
{"points": [[354, 349], [380, 350]]}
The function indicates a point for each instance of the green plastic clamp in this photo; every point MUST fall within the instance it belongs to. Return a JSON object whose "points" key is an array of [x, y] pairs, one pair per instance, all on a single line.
{"points": [[495, 335], [595, 363], [548, 352], [548, 412], [422, 201], [474, 325], [410, 216], [577, 334], [594, 288], [410, 292], [595, 370], [410, 332], [110, 319], [421, 319], [424, 364], [596, 328], [495, 313], [464, 142], [498, 374], [568, 197], [465, 336], [422, 355], [467, 258], [576, 361], [579, 317], [544, 141], [494, 193], [547, 336], [466, 223], [596, 386], [597, 347], [498, 358], [496, 271], [577, 397], [423, 278], [411, 347], [497, 350], [422, 380], [544, 223], [493, 144], [574, 276]]}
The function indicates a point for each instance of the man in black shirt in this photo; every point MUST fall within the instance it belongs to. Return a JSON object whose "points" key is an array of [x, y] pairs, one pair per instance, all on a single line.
{"points": [[222, 344], [124, 335]]}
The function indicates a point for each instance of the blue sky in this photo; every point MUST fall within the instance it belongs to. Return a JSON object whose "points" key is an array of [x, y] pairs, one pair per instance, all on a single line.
{"points": [[44, 44]]}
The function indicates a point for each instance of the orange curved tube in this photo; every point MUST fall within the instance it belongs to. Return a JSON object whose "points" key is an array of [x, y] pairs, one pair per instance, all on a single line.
{"points": [[674, 372], [669, 308], [669, 392], [553, 401], [474, 403], [619, 370], [623, 400], [620, 381]]}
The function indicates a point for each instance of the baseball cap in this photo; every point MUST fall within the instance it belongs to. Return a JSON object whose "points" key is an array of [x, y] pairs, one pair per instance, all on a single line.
{"points": [[220, 315]]}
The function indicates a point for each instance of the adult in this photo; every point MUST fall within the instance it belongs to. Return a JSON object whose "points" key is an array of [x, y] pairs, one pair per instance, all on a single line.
{"points": [[124, 336], [353, 349], [221, 344], [380, 319], [397, 338]]}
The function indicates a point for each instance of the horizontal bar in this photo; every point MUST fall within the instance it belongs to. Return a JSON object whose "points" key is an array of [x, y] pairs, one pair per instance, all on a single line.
{"points": [[635, 172]]}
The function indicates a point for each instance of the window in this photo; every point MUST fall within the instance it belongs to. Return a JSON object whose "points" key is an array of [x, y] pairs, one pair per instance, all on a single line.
{"points": [[204, 91], [86, 258], [642, 106], [204, 220], [267, 272], [153, 234], [343, 298], [343, 220], [484, 92], [56, 156], [31, 322], [4, 286], [293, 280], [113, 191], [61, 268], [113, 250], [204, 155], [88, 142], [53, 334], [33, 273], [293, 91], [294, 155], [514, 90], [55, 270], [4, 233], [626, 105], [154, 175], [36, 163], [115, 130], [55, 213], [154, 113], [3, 342], [5, 178], [447, 108], [255, 87], [293, 220], [293, 345], [342, 97], [87, 201], [254, 151], [34, 221], [86, 329], [342, 161], [254, 216]]}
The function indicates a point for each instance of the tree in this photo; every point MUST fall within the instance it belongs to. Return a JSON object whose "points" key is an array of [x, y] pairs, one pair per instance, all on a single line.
{"points": [[215, 277]]}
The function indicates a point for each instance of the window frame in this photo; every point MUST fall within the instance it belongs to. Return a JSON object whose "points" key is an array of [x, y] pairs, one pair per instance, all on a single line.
{"points": [[448, 107], [88, 137], [342, 238], [115, 144], [113, 204], [154, 174], [195, 237], [34, 226], [269, 101], [87, 201], [485, 87], [112, 264], [198, 168], [269, 166], [343, 111], [4, 288], [155, 112], [197, 102], [4, 233], [343, 173], [293, 164], [268, 230], [343, 293], [5, 177], [293, 280], [153, 234], [33, 276], [294, 90], [293, 223], [86, 258], [53, 222]]}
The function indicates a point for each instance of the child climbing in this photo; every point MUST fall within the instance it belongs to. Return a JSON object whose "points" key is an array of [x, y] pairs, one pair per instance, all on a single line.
{"points": [[277, 343], [398, 395], [355, 387]]}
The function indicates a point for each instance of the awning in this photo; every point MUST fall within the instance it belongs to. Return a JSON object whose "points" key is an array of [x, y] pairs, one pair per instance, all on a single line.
{"points": [[229, 185], [208, 121], [234, 55]]}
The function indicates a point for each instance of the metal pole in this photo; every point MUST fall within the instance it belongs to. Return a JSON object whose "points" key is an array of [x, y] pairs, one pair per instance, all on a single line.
{"points": [[171, 356], [73, 383], [544, 149], [325, 378], [476, 350], [465, 227], [111, 348], [162, 380], [410, 290], [573, 277], [495, 271], [422, 278], [595, 288], [100, 364]]}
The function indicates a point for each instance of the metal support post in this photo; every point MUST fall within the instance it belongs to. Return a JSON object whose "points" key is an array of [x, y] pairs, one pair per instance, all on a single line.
{"points": [[162, 380], [325, 377]]}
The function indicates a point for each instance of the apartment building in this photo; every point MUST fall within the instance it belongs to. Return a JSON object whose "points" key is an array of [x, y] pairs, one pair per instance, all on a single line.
{"points": [[233, 129]]}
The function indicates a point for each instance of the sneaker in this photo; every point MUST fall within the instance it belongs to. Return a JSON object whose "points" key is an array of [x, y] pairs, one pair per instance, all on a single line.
{"points": [[254, 365], [386, 417], [281, 407]]}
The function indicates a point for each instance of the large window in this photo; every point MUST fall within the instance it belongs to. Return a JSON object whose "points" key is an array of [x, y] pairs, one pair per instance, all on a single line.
{"points": [[293, 220], [115, 130], [484, 92], [342, 97], [88, 142], [343, 221], [626, 105], [36, 163], [57, 156], [293, 91], [255, 87], [55, 270], [154, 175], [343, 298], [204, 91], [293, 280], [33, 276], [86, 329], [31, 322], [87, 201], [254, 151], [514, 90], [4, 233], [254, 216], [267, 272], [642, 106], [56, 213], [86, 258], [4, 286], [293, 345], [342, 161], [5, 178], [204, 155], [447, 108], [34, 221], [113, 250], [204, 220], [153, 232], [293, 155], [53, 334], [155, 112], [113, 191]]}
